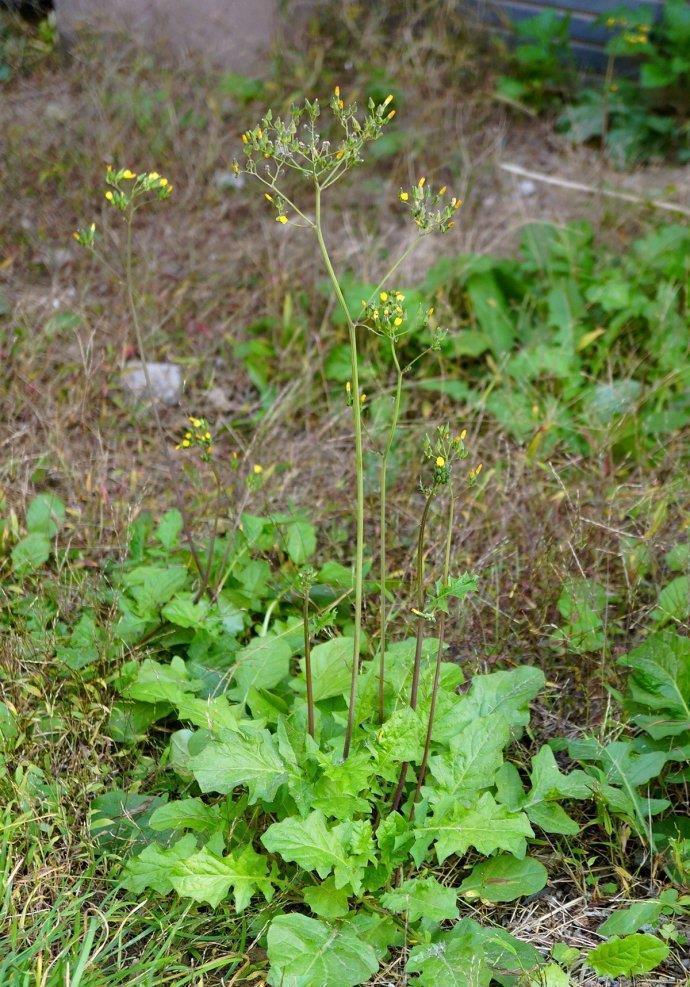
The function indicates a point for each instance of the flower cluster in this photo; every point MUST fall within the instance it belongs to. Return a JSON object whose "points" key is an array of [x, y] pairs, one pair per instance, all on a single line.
{"points": [[296, 143], [126, 187], [385, 315], [431, 211], [198, 436], [85, 236], [442, 452], [348, 395]]}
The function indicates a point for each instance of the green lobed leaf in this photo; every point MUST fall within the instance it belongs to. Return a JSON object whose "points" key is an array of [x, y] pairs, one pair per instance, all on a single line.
{"points": [[474, 757], [261, 664], [252, 761], [486, 826], [331, 664], [628, 957], [344, 849], [327, 901], [422, 897], [304, 952], [30, 552], [205, 877], [45, 515], [153, 867]]}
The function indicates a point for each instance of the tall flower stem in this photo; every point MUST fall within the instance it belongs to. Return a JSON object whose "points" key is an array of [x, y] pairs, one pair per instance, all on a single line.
{"points": [[421, 620], [359, 472], [171, 464], [383, 525], [307, 666], [439, 654]]}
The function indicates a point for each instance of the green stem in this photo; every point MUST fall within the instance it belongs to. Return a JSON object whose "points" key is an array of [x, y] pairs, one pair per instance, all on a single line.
{"points": [[439, 654], [359, 471], [382, 550], [414, 690], [421, 621], [172, 466], [307, 667]]}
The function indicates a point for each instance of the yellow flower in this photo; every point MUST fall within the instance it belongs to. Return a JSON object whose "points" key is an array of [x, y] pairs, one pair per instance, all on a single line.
{"points": [[348, 387], [337, 92], [384, 296], [363, 398], [109, 196], [281, 219], [430, 312], [339, 154], [399, 296], [443, 190], [154, 176], [129, 175], [245, 139], [163, 182], [398, 321], [267, 197], [390, 115], [440, 461], [421, 182], [257, 469], [478, 469], [387, 100], [404, 196], [463, 435]]}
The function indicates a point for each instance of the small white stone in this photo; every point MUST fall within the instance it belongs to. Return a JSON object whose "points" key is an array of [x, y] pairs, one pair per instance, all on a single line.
{"points": [[218, 399], [166, 381], [527, 187]]}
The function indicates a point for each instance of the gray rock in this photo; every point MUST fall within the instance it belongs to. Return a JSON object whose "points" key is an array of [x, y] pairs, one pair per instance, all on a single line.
{"points": [[166, 381]]}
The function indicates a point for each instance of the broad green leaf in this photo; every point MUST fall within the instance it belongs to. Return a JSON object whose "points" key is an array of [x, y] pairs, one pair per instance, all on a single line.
{"points": [[153, 867], [659, 684], [475, 755], [301, 541], [152, 586], [491, 311], [550, 975], [121, 819], [549, 784], [344, 850], [506, 692], [30, 552], [189, 813], [422, 897], [82, 647], [628, 957], [157, 683], [327, 901], [400, 738], [504, 878], [45, 515], [331, 664], [184, 611], [625, 921], [169, 528], [674, 602], [251, 761], [261, 664], [452, 959], [9, 731], [678, 557], [304, 952], [205, 877], [486, 826]]}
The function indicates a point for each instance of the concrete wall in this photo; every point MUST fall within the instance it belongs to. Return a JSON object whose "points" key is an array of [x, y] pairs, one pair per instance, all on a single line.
{"points": [[229, 32]]}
